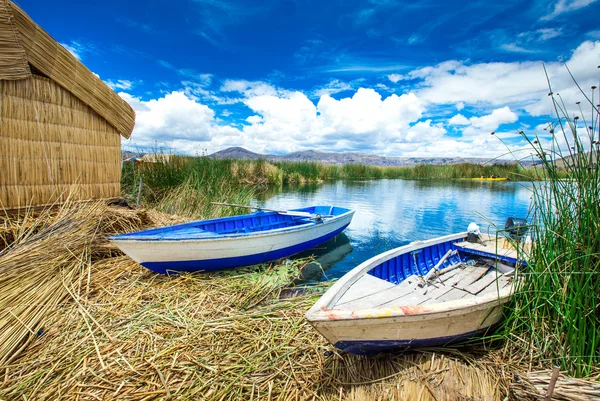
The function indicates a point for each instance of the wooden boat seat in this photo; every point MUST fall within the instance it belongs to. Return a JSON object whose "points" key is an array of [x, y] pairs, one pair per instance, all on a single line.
{"points": [[491, 245], [370, 292], [366, 286]]}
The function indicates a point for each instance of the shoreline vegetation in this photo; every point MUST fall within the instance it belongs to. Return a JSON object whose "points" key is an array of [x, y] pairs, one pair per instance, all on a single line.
{"points": [[263, 172], [186, 185]]}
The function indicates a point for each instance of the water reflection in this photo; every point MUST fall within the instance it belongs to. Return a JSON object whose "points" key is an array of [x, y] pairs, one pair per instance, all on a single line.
{"points": [[271, 191], [391, 213], [493, 186], [326, 256]]}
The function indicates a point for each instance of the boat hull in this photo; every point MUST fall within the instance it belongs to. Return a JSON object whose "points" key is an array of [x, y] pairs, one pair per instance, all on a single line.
{"points": [[213, 254], [379, 334]]}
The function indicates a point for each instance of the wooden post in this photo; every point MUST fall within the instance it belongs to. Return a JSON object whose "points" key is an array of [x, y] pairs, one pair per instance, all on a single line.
{"points": [[552, 383]]}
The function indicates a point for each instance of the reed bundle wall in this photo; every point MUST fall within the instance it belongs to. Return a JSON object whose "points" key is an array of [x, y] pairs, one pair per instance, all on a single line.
{"points": [[51, 140]]}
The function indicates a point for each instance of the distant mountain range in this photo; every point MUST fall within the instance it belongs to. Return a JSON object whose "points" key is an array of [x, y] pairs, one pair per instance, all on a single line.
{"points": [[350, 157]]}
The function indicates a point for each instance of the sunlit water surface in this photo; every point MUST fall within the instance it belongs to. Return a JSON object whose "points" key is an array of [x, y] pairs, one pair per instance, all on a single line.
{"points": [[392, 213]]}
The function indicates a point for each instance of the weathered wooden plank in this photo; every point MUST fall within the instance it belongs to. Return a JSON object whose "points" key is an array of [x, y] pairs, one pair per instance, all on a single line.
{"points": [[433, 294], [453, 295], [502, 282], [479, 285], [365, 286], [490, 246], [473, 274], [449, 275], [404, 289], [438, 294]]}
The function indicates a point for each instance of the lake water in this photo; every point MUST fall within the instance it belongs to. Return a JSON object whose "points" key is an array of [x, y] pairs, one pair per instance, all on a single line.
{"points": [[392, 213]]}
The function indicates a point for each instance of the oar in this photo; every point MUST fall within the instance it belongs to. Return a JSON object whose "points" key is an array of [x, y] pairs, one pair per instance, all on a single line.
{"points": [[433, 271], [288, 212]]}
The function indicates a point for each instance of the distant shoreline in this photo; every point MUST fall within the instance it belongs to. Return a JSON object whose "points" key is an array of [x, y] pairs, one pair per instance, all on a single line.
{"points": [[343, 158]]}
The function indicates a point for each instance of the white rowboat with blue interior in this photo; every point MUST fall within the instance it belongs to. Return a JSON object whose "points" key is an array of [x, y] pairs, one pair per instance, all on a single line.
{"points": [[235, 241], [428, 293]]}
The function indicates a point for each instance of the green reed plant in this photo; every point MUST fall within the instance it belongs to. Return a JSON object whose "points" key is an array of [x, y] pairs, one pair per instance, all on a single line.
{"points": [[309, 171], [555, 318], [192, 199], [186, 186]]}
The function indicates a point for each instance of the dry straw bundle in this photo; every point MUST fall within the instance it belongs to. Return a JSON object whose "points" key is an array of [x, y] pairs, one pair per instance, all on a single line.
{"points": [[51, 140], [80, 321], [45, 263]]}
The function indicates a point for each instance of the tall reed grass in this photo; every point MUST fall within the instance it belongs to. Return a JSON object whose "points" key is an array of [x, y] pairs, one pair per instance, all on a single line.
{"points": [[186, 186], [556, 315]]}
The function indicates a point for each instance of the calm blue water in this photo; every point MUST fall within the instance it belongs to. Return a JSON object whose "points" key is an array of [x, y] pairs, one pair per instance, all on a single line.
{"points": [[392, 213]]}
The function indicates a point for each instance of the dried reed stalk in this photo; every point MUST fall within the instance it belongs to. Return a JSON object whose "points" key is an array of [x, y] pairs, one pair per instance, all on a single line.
{"points": [[85, 323], [45, 264], [534, 386]]}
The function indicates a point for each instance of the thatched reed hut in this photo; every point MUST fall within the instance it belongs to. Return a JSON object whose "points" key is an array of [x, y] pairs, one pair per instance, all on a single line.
{"points": [[60, 125]]}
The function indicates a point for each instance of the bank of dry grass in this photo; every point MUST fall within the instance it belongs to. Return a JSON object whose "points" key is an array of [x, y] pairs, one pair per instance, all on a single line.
{"points": [[114, 330]]}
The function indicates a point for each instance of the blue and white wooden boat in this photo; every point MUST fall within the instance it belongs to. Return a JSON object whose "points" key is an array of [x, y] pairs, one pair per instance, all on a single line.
{"points": [[428, 293], [229, 242]]}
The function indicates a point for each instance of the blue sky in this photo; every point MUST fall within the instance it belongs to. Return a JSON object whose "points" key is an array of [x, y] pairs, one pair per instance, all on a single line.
{"points": [[391, 77]]}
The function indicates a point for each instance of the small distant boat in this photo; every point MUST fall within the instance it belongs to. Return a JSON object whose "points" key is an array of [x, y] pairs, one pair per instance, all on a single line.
{"points": [[427, 293], [492, 178], [229, 242]]}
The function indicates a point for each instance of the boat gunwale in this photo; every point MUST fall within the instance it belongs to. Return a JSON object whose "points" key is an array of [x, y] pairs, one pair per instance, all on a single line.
{"points": [[324, 309], [216, 236]]}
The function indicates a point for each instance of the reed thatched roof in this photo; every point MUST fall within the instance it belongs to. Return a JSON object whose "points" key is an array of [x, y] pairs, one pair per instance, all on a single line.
{"points": [[25, 46]]}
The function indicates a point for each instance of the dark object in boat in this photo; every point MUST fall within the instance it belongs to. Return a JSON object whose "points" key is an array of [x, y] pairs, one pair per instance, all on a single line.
{"points": [[516, 228], [474, 238]]}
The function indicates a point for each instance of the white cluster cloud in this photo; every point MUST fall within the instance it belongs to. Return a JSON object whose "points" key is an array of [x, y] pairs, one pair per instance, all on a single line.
{"points": [[332, 87], [122, 84], [519, 83], [282, 120], [174, 116], [424, 132], [395, 78], [251, 88], [78, 49], [365, 121], [484, 124]]}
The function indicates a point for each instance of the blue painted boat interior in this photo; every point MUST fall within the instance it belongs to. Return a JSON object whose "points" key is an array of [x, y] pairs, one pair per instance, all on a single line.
{"points": [[235, 225], [417, 262], [420, 261]]}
